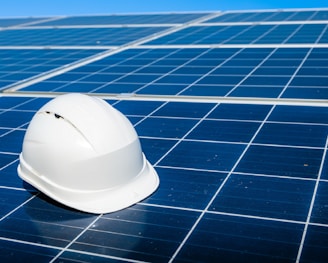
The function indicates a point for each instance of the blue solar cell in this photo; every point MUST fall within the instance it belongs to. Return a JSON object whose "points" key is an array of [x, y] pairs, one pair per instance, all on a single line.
{"points": [[187, 110], [221, 80], [78, 87], [118, 88], [281, 161], [11, 102], [240, 112], [265, 81], [164, 127], [229, 131], [293, 134], [207, 90], [274, 71], [300, 114], [11, 119], [137, 107], [310, 81], [306, 93], [265, 196], [232, 70]]}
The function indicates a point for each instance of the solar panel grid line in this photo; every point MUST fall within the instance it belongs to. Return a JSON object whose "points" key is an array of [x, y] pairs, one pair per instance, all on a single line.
{"points": [[312, 203], [220, 187]]}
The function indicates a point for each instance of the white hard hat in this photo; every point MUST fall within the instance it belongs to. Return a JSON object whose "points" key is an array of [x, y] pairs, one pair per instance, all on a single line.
{"points": [[85, 154]]}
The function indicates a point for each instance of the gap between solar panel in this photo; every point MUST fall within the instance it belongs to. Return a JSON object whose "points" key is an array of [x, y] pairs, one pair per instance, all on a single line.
{"points": [[85, 154]]}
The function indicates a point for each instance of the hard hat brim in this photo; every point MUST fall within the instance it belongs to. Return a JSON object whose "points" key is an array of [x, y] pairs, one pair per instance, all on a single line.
{"points": [[99, 201]]}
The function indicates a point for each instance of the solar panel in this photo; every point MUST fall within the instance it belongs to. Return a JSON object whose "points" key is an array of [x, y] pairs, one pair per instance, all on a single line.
{"points": [[74, 36], [266, 16], [8, 22], [124, 19], [232, 114]]}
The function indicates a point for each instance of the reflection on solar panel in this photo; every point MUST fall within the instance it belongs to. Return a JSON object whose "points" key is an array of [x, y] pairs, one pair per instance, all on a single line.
{"points": [[230, 109]]}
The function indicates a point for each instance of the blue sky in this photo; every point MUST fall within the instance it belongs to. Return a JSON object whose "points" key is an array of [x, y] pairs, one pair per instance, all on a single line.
{"points": [[77, 7]]}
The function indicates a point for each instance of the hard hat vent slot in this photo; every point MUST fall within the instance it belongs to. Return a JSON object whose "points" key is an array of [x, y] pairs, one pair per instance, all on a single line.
{"points": [[57, 116]]}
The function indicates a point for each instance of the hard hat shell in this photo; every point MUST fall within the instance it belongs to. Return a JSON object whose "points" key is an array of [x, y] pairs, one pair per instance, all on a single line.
{"points": [[85, 154]]}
